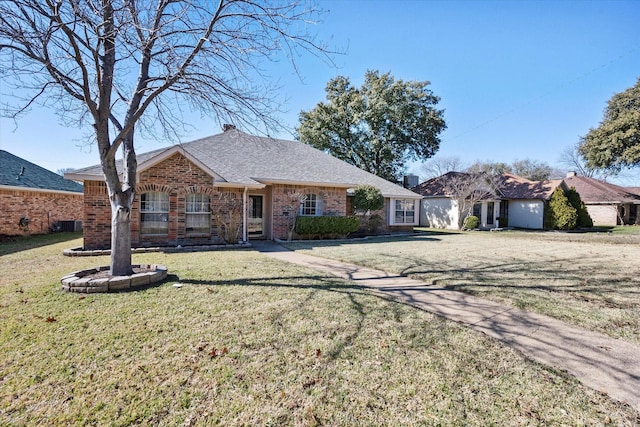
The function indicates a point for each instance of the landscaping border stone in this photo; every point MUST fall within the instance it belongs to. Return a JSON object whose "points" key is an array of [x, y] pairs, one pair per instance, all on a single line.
{"points": [[81, 281]]}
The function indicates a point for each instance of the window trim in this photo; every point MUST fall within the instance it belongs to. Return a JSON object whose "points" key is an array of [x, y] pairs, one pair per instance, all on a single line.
{"points": [[192, 214], [154, 211], [393, 211], [317, 205]]}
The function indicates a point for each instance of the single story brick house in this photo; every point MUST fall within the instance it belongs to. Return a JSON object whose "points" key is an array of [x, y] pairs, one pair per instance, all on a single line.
{"points": [[517, 199], [607, 204], [192, 193], [34, 199]]}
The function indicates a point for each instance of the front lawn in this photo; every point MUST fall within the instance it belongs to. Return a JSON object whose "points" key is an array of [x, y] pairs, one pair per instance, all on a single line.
{"points": [[588, 279], [248, 340]]}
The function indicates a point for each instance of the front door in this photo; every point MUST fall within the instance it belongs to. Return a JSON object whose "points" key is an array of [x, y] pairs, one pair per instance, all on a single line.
{"points": [[256, 228]]}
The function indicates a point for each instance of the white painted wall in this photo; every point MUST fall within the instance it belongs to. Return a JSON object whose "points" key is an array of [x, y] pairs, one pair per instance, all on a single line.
{"points": [[603, 214], [439, 213], [526, 214]]}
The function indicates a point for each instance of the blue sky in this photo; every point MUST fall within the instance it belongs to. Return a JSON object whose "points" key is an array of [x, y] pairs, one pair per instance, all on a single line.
{"points": [[517, 79]]}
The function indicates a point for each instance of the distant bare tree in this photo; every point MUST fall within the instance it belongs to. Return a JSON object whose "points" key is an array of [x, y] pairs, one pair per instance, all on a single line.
{"points": [[467, 189], [123, 66], [575, 161], [439, 165], [491, 168], [63, 171]]}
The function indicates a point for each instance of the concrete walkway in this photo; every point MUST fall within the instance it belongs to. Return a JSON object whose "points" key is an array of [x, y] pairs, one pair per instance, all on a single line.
{"points": [[605, 364]]}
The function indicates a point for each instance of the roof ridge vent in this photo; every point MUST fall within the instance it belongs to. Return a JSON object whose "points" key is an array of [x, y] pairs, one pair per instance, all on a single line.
{"points": [[227, 127]]}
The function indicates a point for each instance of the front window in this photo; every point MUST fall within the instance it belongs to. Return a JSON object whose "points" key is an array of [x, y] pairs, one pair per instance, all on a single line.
{"points": [[405, 211], [154, 213], [198, 214], [310, 206]]}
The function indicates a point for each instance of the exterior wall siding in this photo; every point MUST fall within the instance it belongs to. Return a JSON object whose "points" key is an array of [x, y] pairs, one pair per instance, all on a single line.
{"points": [[42, 208], [526, 214], [439, 213]]}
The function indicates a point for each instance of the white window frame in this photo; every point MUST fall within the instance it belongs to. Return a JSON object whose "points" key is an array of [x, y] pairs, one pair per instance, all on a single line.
{"points": [[311, 205], [393, 209], [155, 206], [197, 205]]}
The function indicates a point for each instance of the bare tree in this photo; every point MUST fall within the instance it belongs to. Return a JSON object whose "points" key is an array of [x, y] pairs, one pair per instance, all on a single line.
{"points": [[467, 189], [439, 165], [126, 66], [574, 161]]}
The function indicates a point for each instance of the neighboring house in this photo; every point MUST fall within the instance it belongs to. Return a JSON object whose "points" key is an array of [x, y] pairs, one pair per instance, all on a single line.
{"points": [[439, 207], [607, 204], [185, 192], [517, 199], [523, 201], [34, 199]]}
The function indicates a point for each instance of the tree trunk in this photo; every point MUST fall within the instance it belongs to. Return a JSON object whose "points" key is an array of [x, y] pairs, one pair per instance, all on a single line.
{"points": [[121, 234]]}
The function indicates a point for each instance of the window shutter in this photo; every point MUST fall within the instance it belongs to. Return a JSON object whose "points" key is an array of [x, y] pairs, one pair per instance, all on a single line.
{"points": [[318, 206]]}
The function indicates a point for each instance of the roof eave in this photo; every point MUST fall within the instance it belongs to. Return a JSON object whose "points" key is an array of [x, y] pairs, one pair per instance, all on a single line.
{"points": [[40, 190], [83, 177]]}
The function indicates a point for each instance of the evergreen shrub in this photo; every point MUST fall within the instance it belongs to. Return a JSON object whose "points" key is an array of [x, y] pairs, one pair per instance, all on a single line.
{"points": [[326, 226], [471, 222]]}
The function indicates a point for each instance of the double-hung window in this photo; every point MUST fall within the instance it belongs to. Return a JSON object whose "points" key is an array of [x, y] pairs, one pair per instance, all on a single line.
{"points": [[311, 206], [198, 214], [404, 212], [154, 213]]}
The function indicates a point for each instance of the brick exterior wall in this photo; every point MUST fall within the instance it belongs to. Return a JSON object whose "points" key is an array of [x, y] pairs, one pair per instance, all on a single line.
{"points": [[285, 204], [42, 208], [177, 177]]}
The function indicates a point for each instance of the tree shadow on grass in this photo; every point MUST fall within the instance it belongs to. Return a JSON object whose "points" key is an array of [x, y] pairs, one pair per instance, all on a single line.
{"points": [[315, 284], [518, 276], [309, 244], [13, 244]]}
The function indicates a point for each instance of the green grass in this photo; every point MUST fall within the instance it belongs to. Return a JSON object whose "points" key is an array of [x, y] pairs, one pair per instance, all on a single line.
{"points": [[248, 340], [591, 280]]}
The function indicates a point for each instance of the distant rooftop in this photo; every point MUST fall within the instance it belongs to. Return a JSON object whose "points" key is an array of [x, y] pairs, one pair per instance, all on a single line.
{"points": [[18, 172]]}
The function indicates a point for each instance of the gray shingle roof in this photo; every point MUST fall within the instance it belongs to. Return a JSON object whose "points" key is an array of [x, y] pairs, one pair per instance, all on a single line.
{"points": [[17, 172], [243, 159]]}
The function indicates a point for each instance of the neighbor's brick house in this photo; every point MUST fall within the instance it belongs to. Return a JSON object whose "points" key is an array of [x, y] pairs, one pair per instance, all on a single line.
{"points": [[28, 191], [607, 204], [189, 194]]}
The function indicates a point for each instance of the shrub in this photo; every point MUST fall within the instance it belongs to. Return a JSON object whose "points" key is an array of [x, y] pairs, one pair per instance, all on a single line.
{"points": [[584, 219], [374, 222], [326, 226], [471, 222], [559, 214], [503, 221], [367, 198]]}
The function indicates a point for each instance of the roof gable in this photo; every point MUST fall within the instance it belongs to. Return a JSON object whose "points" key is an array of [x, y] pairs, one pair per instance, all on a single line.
{"points": [[17, 172]]}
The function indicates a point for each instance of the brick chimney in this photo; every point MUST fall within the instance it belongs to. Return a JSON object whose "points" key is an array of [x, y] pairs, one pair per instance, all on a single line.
{"points": [[227, 126]]}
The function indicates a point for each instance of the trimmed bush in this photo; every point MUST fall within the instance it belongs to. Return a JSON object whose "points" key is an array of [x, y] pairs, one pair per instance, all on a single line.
{"points": [[559, 214], [471, 222], [326, 226], [584, 219], [503, 221]]}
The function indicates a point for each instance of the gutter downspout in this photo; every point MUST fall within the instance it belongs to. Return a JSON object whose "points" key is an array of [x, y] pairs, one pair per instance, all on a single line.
{"points": [[244, 215]]}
